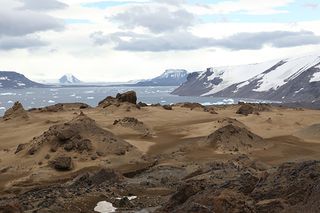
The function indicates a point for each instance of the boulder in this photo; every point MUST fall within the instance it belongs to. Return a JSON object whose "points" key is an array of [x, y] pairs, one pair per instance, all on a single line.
{"points": [[62, 163], [167, 107], [130, 97], [245, 109]]}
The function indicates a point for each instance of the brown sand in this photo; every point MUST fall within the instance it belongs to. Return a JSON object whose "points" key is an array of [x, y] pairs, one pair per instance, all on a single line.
{"points": [[177, 138]]}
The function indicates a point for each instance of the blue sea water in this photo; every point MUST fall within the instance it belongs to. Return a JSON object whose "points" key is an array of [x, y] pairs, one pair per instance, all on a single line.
{"points": [[36, 97]]}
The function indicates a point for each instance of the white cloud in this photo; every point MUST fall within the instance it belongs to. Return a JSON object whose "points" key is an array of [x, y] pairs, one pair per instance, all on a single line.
{"points": [[75, 51]]}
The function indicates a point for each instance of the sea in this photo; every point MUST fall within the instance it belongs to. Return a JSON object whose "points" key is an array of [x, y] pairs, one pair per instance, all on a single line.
{"points": [[40, 97]]}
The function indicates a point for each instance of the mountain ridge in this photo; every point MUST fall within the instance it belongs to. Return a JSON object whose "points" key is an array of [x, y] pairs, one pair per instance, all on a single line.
{"points": [[291, 79], [15, 80]]}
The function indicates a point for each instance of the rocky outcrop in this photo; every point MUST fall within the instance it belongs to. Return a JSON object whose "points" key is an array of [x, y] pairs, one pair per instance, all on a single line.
{"points": [[133, 123], [190, 106], [62, 107], [16, 112], [130, 97], [292, 187], [251, 108], [127, 97]]}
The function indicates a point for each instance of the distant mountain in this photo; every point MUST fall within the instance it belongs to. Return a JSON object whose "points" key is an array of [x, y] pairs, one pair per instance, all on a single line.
{"points": [[288, 80], [69, 79], [171, 77], [14, 80]]}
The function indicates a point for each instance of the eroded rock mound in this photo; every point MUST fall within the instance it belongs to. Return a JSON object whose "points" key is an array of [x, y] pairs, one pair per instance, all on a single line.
{"points": [[127, 97], [197, 106], [133, 123], [251, 108], [210, 109], [190, 106], [232, 138], [62, 107], [80, 135], [16, 112]]}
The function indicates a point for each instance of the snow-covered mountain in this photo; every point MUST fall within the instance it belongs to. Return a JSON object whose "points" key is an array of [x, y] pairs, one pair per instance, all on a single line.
{"points": [[14, 80], [291, 79], [69, 79], [171, 77]]}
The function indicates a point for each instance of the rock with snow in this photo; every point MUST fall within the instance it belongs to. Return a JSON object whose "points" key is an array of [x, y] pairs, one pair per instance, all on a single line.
{"points": [[287, 80], [171, 77], [14, 80], [69, 79]]}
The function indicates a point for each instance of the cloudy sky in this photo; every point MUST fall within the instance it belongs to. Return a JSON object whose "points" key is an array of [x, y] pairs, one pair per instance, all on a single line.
{"points": [[121, 40]]}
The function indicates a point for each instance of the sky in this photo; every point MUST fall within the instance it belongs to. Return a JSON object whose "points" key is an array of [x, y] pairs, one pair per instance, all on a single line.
{"points": [[121, 40]]}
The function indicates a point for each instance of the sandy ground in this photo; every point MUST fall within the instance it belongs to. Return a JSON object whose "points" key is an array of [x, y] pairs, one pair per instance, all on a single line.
{"points": [[177, 135]]}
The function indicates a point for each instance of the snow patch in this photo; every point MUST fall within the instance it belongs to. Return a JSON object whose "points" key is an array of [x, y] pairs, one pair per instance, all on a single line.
{"points": [[315, 77], [298, 90], [234, 74], [105, 207], [286, 72], [7, 94]]}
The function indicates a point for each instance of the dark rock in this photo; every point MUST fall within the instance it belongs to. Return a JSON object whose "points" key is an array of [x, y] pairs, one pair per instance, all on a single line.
{"points": [[167, 107], [125, 203], [245, 109], [20, 148], [129, 96], [11, 207], [141, 104], [191, 106], [62, 163]]}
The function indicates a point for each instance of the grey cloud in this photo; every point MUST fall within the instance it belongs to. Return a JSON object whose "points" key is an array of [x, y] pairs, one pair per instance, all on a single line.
{"points": [[172, 2], [182, 40], [99, 38], [43, 5], [156, 19], [311, 5], [10, 43], [20, 22], [249, 41]]}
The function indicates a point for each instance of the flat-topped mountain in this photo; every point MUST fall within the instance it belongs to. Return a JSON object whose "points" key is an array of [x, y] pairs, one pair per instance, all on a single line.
{"points": [[14, 80], [171, 77]]}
